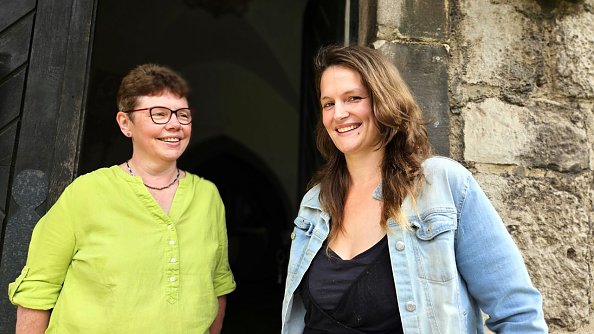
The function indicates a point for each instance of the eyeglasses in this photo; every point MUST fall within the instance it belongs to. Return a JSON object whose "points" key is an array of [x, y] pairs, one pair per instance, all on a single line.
{"points": [[162, 115]]}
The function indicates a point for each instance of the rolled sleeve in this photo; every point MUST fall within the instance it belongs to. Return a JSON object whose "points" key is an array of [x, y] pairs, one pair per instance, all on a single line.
{"points": [[33, 294], [223, 281], [50, 253]]}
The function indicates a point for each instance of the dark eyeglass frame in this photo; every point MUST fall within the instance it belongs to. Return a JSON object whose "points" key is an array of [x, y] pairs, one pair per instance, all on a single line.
{"points": [[171, 112]]}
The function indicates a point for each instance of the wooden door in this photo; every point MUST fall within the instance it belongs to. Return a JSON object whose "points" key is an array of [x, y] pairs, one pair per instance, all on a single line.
{"points": [[44, 56]]}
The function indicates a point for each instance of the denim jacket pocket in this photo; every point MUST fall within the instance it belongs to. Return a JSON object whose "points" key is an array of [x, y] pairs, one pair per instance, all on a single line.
{"points": [[434, 244], [300, 237], [304, 225]]}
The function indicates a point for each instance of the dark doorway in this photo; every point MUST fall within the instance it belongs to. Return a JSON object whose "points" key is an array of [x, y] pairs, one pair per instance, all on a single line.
{"points": [[249, 65], [324, 24], [258, 244]]}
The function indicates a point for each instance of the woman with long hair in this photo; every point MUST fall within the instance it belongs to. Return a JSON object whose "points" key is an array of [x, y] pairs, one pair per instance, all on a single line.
{"points": [[390, 239]]}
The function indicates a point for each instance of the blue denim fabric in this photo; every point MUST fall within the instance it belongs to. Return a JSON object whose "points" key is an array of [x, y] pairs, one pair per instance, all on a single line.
{"points": [[456, 260]]}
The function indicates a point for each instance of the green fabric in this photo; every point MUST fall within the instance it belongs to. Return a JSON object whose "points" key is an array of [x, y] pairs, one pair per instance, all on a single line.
{"points": [[107, 259]]}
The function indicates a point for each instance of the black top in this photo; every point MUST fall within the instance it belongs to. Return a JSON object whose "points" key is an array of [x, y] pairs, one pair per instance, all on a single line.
{"points": [[351, 296]]}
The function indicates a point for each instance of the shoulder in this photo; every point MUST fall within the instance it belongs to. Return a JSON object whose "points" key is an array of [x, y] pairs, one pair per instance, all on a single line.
{"points": [[442, 171], [445, 185], [198, 182], [200, 188], [311, 199], [92, 180], [85, 190], [438, 166]]}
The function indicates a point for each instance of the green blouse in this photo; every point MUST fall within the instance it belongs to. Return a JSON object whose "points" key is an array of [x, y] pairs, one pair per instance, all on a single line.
{"points": [[107, 259]]}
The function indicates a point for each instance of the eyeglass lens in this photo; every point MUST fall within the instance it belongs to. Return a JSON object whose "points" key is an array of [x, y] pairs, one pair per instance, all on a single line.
{"points": [[162, 115]]}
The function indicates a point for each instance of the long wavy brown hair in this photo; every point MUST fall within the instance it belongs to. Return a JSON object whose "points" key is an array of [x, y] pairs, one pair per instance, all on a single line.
{"points": [[402, 130]]}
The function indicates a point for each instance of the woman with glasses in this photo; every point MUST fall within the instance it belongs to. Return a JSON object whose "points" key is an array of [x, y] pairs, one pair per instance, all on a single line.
{"points": [[136, 248], [390, 239]]}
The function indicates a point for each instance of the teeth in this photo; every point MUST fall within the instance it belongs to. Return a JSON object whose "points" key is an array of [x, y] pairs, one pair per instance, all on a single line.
{"points": [[348, 128], [171, 140]]}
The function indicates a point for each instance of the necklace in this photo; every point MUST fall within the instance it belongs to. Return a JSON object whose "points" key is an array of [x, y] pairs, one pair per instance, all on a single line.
{"points": [[150, 187]]}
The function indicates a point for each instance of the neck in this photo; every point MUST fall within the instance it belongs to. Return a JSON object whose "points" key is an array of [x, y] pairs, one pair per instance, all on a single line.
{"points": [[152, 169], [155, 179], [365, 170]]}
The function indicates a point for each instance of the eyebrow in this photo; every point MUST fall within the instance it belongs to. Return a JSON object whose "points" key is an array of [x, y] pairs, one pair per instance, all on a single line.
{"points": [[356, 91]]}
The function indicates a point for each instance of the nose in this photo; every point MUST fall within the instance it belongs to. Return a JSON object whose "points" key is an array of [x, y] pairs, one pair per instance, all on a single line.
{"points": [[173, 121], [340, 111]]}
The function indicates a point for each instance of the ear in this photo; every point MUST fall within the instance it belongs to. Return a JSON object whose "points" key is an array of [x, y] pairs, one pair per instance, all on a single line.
{"points": [[125, 123]]}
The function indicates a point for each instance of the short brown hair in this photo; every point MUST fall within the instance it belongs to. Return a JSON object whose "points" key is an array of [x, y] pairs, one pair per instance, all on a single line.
{"points": [[149, 80]]}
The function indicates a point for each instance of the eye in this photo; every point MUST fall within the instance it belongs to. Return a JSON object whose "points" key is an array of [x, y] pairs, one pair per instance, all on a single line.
{"points": [[184, 113], [327, 105], [355, 98], [159, 113]]}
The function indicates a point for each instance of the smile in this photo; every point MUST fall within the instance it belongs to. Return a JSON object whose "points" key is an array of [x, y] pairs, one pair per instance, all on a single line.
{"points": [[348, 128], [170, 139]]}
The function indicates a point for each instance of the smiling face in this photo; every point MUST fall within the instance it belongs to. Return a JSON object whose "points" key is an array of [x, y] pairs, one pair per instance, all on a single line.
{"points": [[347, 111], [156, 142]]}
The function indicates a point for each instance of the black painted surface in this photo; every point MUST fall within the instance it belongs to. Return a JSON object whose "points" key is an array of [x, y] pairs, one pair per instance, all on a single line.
{"points": [[29, 191], [14, 45], [7, 140], [13, 10], [425, 70], [43, 75]]}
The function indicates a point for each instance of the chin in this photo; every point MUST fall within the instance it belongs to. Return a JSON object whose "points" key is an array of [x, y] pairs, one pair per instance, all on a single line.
{"points": [[171, 157]]}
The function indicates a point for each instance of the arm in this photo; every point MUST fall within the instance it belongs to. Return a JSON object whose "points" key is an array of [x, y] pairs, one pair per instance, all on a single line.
{"points": [[493, 269], [31, 321], [217, 324], [38, 286]]}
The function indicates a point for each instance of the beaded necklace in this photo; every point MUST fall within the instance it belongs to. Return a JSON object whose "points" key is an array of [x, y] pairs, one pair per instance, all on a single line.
{"points": [[150, 187]]}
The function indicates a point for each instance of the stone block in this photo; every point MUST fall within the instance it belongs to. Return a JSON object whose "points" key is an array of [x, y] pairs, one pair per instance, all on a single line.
{"points": [[424, 68], [574, 47], [589, 121], [544, 134], [413, 19], [496, 45], [549, 218]]}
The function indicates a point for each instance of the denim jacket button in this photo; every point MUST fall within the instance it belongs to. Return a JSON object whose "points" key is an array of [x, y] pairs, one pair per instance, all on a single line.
{"points": [[400, 245], [411, 306], [292, 235]]}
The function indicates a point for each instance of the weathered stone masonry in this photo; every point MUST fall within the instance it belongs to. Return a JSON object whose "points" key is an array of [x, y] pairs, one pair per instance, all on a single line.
{"points": [[519, 112]]}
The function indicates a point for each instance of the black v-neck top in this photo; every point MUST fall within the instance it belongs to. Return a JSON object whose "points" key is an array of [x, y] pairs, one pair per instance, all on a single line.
{"points": [[351, 296]]}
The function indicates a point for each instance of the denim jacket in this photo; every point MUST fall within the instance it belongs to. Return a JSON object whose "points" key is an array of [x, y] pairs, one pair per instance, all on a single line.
{"points": [[456, 260]]}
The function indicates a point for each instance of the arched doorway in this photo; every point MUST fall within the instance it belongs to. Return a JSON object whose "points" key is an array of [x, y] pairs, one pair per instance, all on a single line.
{"points": [[256, 209], [244, 65]]}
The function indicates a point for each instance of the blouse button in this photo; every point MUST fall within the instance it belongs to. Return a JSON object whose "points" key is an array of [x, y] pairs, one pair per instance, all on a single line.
{"points": [[400, 245], [170, 227], [172, 279], [410, 306], [173, 260]]}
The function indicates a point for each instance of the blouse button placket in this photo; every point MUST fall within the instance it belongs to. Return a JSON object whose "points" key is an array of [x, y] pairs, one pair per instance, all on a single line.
{"points": [[172, 266]]}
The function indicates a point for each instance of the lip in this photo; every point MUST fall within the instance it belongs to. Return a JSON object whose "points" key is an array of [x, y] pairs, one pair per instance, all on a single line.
{"points": [[346, 128], [170, 140]]}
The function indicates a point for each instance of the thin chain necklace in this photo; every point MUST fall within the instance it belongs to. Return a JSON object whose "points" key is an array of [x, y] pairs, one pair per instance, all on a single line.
{"points": [[150, 187]]}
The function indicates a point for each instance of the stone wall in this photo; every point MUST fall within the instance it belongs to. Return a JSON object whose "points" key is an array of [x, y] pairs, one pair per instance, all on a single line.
{"points": [[521, 114]]}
